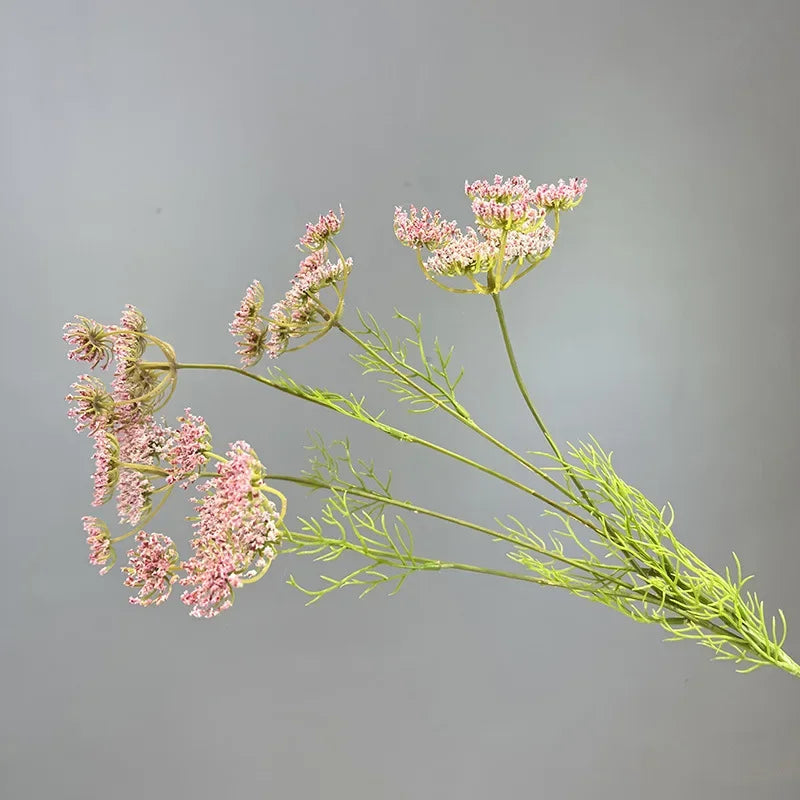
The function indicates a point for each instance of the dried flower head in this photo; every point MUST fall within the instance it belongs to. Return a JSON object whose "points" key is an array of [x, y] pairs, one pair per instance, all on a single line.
{"points": [[152, 568]]}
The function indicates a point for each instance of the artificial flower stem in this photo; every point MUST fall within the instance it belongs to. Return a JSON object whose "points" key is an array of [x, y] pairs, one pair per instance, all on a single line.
{"points": [[468, 421], [416, 509], [402, 435], [523, 389]]}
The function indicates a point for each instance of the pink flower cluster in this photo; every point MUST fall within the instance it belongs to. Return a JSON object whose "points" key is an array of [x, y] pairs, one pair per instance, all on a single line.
{"points": [[248, 324], [237, 528], [100, 550], [509, 207], [91, 342], [464, 253], [140, 442], [562, 197], [470, 253], [128, 442], [106, 473], [295, 314], [317, 234], [423, 228], [152, 568], [121, 426], [292, 316], [187, 449], [92, 407], [236, 533]]}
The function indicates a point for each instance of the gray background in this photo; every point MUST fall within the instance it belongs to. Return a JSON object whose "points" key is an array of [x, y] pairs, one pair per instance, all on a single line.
{"points": [[166, 153]]}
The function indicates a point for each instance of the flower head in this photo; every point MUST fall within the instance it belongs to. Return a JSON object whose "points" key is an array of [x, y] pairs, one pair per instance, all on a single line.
{"points": [[236, 533], [511, 226], [464, 253], [93, 406], [522, 246], [188, 448], [423, 228], [140, 442], [92, 342], [561, 197], [299, 313], [252, 344], [152, 568], [99, 541], [106, 471], [249, 308], [505, 204], [316, 272], [318, 233], [137, 390]]}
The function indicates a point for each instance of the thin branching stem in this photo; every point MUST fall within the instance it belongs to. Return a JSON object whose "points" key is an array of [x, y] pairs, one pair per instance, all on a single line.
{"points": [[397, 433]]}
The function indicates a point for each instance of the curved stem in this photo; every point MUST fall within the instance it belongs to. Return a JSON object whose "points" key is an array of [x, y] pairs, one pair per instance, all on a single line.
{"points": [[512, 360], [523, 389]]}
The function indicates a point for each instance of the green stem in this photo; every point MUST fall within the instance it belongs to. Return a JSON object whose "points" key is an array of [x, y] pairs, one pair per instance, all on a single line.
{"points": [[468, 421], [512, 360], [416, 509], [396, 433], [624, 591], [523, 389]]}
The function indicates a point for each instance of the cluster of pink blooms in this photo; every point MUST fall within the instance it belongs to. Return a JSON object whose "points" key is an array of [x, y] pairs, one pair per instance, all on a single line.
{"points": [[249, 325], [292, 316], [152, 568], [560, 197], [466, 253], [106, 472], [317, 234], [101, 553], [140, 442], [186, 451], [506, 205], [423, 228], [509, 206], [236, 533]]}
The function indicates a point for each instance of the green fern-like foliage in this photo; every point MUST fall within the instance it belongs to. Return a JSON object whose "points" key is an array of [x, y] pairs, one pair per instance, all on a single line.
{"points": [[385, 544], [424, 382], [666, 582]]}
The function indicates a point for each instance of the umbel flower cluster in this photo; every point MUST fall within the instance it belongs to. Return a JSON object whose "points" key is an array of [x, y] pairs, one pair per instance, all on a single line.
{"points": [[138, 461], [605, 541]]}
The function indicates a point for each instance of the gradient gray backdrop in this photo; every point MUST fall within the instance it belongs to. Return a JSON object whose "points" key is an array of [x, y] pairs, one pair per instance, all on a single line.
{"points": [[167, 153]]}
